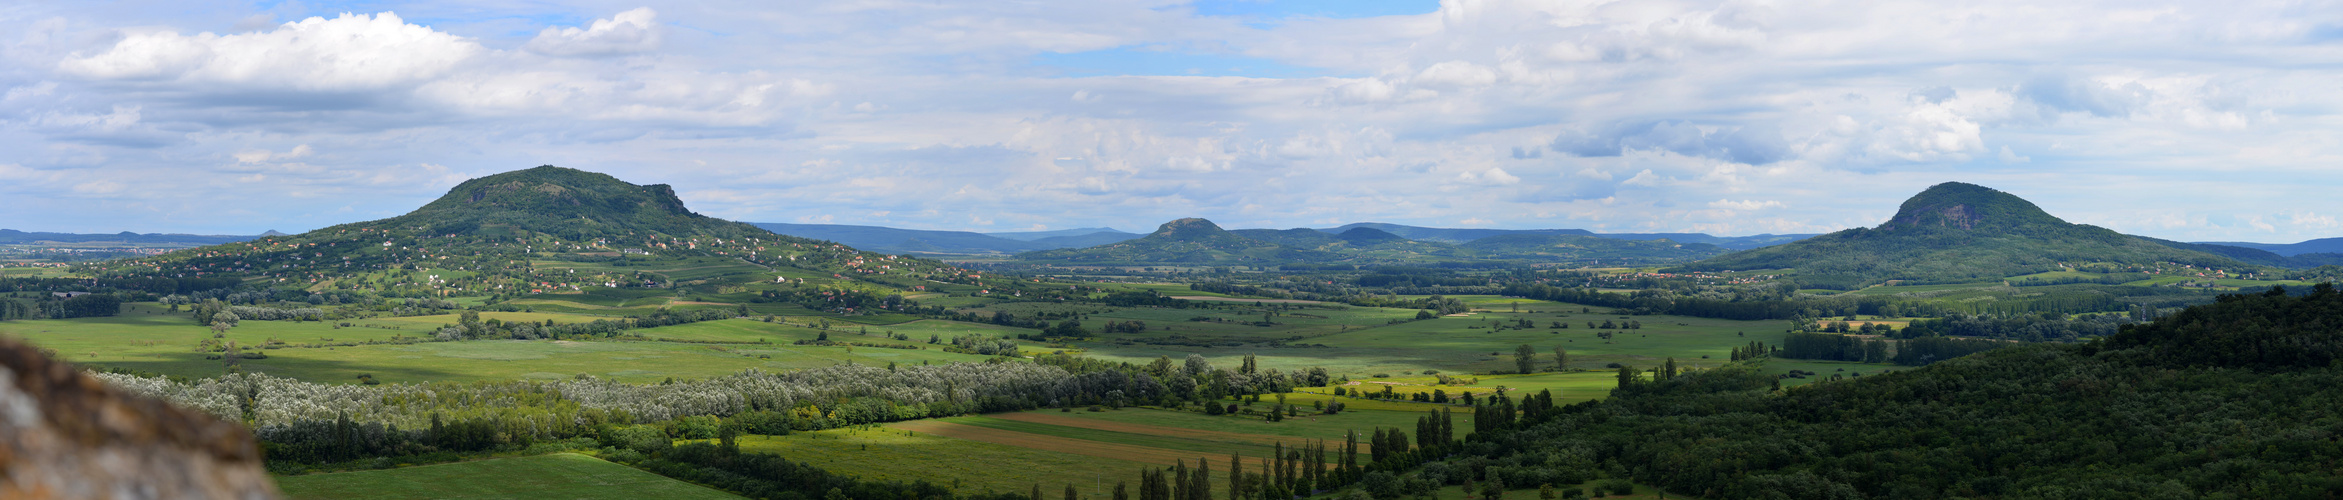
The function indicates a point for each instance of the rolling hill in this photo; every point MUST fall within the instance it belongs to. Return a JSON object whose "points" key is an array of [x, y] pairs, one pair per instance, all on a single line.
{"points": [[1463, 235], [1183, 241], [1956, 232], [11, 236], [903, 241], [1200, 242], [2321, 245], [1590, 249], [492, 234], [892, 240], [1064, 233]]}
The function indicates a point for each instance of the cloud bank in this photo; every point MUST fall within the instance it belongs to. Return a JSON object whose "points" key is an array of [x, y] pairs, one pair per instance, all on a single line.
{"points": [[2186, 120]]}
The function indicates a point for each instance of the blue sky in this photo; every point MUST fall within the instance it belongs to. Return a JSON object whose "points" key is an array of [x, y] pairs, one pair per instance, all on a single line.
{"points": [[2196, 121]]}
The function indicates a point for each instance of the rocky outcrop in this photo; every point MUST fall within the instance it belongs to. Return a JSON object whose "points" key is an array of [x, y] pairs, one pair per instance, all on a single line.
{"points": [[64, 434]]}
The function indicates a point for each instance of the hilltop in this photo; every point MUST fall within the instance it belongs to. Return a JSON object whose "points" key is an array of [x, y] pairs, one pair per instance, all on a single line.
{"points": [[568, 203], [1956, 232], [1183, 241]]}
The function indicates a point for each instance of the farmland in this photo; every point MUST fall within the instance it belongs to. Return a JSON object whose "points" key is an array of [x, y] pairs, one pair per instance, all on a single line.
{"points": [[146, 339], [1363, 341], [972, 466], [559, 475], [1012, 452]]}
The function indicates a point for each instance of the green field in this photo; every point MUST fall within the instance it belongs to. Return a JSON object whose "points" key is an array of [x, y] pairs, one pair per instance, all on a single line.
{"points": [[1329, 428], [1083, 448], [1360, 341], [559, 475], [145, 339], [882, 454]]}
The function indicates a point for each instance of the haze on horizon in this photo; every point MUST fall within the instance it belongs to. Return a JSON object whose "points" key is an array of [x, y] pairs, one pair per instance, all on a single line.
{"points": [[2196, 121]]}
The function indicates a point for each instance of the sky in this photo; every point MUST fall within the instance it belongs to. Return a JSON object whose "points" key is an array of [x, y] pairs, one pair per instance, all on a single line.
{"points": [[2197, 121]]}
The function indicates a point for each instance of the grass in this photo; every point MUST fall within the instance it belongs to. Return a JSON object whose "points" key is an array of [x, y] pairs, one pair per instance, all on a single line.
{"points": [[146, 340], [559, 475], [1358, 343], [1012, 452], [1321, 427], [1182, 444], [886, 453]]}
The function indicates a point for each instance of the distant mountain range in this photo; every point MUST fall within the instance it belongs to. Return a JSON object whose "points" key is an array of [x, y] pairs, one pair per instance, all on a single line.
{"points": [[1195, 241], [15, 237], [893, 240], [1952, 231], [2321, 245], [1446, 235]]}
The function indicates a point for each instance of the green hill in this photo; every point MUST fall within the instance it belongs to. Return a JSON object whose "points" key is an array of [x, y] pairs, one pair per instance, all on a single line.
{"points": [[1955, 232], [1183, 241], [570, 203], [1593, 249], [1200, 242], [1360, 244], [495, 235]]}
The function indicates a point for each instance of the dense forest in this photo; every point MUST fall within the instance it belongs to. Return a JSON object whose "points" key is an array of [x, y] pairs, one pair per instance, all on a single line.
{"points": [[2237, 399]]}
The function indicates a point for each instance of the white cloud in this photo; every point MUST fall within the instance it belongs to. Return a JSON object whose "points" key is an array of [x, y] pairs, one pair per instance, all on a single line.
{"points": [[2008, 156], [1745, 204], [1644, 178], [263, 155], [629, 32], [1456, 74], [346, 53]]}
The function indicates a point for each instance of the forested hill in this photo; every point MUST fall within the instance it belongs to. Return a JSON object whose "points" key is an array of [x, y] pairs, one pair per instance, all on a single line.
{"points": [[569, 203], [1200, 242], [2236, 399], [497, 226], [1183, 241], [1955, 232]]}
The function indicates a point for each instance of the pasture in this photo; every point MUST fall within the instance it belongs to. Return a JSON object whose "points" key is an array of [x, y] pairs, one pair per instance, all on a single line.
{"points": [[558, 475], [887, 453], [1360, 341], [1012, 452], [146, 339]]}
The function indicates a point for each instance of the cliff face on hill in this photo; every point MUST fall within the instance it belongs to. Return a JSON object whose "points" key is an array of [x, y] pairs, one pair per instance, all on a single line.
{"points": [[64, 434]]}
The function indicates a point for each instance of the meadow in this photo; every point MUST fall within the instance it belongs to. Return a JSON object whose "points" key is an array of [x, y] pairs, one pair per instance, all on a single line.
{"points": [[147, 339], [1012, 452], [1361, 341], [887, 453], [559, 475], [1366, 348]]}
